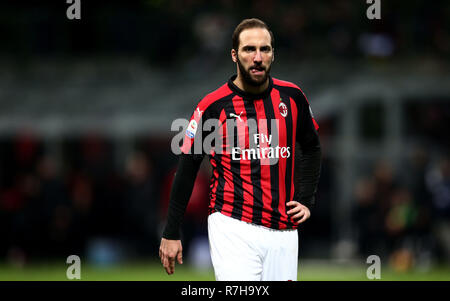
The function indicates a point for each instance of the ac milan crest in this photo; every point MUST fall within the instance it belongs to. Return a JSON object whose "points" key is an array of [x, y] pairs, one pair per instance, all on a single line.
{"points": [[283, 109]]}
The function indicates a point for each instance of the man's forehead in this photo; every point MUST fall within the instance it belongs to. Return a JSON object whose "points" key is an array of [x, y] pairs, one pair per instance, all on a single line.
{"points": [[255, 36]]}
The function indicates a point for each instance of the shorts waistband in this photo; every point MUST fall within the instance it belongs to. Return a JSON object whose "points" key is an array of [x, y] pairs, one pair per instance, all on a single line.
{"points": [[254, 225]]}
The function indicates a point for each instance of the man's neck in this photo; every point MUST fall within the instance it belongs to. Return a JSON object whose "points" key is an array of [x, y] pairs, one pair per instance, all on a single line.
{"points": [[240, 83]]}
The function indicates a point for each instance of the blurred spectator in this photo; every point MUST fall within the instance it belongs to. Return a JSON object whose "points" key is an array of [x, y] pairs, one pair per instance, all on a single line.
{"points": [[367, 218], [400, 220], [81, 215], [379, 45], [26, 149], [438, 181], [212, 31], [140, 208], [385, 184]]}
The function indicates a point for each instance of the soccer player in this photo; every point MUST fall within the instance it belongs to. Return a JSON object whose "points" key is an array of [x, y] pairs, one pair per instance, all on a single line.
{"points": [[264, 177]]}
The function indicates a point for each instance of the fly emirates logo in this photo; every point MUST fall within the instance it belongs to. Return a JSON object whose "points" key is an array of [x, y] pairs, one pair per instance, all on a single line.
{"points": [[263, 150]]}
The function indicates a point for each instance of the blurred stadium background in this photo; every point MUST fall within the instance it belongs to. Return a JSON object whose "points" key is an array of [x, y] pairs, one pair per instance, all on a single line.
{"points": [[86, 108]]}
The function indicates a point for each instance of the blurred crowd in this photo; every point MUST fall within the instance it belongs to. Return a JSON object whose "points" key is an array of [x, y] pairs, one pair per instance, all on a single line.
{"points": [[82, 203], [170, 32], [404, 214], [81, 195]]}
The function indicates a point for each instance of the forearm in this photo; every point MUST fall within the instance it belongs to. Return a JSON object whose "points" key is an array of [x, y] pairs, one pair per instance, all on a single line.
{"points": [[180, 194], [308, 161]]}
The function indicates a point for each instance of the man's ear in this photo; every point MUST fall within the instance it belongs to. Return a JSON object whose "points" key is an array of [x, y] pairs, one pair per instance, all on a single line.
{"points": [[234, 55], [273, 54]]}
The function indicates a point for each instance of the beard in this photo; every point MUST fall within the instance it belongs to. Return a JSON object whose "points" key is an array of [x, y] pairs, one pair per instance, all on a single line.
{"points": [[247, 77]]}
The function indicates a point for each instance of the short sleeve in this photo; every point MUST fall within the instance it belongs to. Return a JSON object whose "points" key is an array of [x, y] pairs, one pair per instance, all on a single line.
{"points": [[195, 134]]}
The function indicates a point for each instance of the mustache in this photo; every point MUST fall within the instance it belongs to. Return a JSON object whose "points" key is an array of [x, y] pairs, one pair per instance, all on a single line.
{"points": [[257, 67]]}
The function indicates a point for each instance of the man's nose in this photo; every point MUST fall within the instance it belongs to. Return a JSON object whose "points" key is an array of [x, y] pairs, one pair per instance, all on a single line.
{"points": [[258, 57]]}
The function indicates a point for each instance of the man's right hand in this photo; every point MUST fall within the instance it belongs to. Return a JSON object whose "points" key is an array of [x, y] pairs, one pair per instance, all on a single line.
{"points": [[169, 250]]}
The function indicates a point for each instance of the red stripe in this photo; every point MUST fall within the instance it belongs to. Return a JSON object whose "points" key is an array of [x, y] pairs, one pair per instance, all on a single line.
{"points": [[294, 136], [284, 83], [316, 125], [245, 167], [265, 167], [282, 141], [212, 201], [228, 190], [213, 196]]}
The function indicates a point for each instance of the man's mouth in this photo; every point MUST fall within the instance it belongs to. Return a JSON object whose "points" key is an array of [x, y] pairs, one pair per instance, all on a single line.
{"points": [[257, 70]]}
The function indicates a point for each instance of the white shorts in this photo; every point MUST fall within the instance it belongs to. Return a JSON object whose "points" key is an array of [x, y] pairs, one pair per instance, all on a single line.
{"points": [[242, 251]]}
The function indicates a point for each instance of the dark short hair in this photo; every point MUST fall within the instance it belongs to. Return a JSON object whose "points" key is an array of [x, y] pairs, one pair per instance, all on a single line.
{"points": [[247, 24]]}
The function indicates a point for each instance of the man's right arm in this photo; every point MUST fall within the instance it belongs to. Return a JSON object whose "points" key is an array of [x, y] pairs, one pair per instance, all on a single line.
{"points": [[183, 184]]}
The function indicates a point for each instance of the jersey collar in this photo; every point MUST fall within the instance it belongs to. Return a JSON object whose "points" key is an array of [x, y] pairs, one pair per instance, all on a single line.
{"points": [[245, 94]]}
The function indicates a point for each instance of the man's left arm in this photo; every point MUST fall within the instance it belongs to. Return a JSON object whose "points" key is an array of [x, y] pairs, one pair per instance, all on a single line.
{"points": [[308, 158]]}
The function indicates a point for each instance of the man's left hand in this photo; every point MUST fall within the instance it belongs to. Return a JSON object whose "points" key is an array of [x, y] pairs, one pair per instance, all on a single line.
{"points": [[298, 211]]}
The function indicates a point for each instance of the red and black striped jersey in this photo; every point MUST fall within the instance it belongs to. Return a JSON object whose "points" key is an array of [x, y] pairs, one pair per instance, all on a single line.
{"points": [[253, 168]]}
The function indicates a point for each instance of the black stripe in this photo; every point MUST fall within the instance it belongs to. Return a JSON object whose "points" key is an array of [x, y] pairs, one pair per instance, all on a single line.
{"points": [[274, 173], [289, 142], [220, 185], [255, 166]]}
